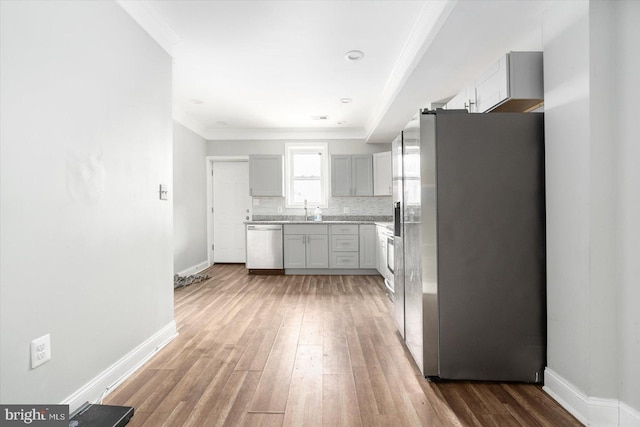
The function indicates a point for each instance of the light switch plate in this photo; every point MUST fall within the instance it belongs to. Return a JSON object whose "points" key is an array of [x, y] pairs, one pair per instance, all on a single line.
{"points": [[164, 192]]}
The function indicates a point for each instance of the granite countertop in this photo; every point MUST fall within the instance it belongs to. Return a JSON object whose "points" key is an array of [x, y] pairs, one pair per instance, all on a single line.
{"points": [[311, 222], [387, 225], [377, 220]]}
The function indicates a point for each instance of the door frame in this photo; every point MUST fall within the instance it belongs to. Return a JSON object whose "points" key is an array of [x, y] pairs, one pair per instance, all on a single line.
{"points": [[210, 219]]}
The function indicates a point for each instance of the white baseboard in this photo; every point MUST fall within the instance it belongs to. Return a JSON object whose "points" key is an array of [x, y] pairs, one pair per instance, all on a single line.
{"points": [[566, 394], [194, 269], [629, 417], [591, 411], [108, 380]]}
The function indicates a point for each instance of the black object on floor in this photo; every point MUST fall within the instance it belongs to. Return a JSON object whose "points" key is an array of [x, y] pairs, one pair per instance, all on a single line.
{"points": [[101, 416]]}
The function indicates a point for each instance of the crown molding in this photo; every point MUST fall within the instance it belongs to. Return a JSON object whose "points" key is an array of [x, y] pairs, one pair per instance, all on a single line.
{"points": [[143, 13], [235, 134], [432, 17]]}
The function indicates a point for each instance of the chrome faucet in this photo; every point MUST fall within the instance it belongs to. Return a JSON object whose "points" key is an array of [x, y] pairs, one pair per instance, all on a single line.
{"points": [[306, 213]]}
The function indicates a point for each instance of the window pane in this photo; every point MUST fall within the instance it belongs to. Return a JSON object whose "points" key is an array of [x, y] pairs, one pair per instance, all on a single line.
{"points": [[307, 189], [307, 164]]}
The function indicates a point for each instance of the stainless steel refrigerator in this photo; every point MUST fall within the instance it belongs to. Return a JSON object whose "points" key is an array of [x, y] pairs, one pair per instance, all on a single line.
{"points": [[470, 246]]}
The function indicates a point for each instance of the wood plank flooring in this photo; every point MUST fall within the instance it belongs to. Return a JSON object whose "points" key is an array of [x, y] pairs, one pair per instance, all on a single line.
{"points": [[306, 351]]}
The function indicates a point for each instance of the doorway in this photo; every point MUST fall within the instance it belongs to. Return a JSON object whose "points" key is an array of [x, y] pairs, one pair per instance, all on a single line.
{"points": [[229, 208]]}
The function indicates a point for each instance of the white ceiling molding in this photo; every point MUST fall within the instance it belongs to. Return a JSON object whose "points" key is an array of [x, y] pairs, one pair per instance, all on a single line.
{"points": [[189, 122], [461, 46], [432, 16], [143, 13], [298, 134]]}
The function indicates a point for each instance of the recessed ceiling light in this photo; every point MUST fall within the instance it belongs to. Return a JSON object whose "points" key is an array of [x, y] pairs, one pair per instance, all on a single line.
{"points": [[354, 55], [197, 101], [345, 100], [342, 122], [319, 117], [221, 123]]}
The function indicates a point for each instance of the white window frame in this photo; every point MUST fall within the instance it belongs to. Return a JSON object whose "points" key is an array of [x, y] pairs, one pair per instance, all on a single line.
{"points": [[293, 148]]}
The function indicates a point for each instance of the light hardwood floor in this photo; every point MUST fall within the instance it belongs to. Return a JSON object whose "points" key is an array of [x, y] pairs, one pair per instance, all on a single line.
{"points": [[260, 350]]}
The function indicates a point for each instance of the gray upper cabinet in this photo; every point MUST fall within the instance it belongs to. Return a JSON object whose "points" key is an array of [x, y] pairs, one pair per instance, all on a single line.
{"points": [[465, 100], [340, 175], [512, 84], [382, 174], [351, 175], [266, 175]]}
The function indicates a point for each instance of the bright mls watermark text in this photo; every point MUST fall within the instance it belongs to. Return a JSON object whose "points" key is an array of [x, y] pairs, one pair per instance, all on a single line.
{"points": [[34, 415]]}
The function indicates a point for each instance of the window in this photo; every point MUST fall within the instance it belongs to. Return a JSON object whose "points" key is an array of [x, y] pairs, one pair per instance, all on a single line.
{"points": [[307, 174]]}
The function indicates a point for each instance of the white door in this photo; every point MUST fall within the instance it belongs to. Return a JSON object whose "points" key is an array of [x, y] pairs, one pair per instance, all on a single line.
{"points": [[231, 208]]}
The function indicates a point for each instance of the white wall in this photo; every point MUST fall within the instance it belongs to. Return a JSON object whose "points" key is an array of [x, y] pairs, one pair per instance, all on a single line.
{"points": [[86, 249], [566, 67], [627, 94], [190, 199], [593, 203]]}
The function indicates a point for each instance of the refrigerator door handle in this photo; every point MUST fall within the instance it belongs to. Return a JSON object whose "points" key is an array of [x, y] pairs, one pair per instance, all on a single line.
{"points": [[397, 218]]}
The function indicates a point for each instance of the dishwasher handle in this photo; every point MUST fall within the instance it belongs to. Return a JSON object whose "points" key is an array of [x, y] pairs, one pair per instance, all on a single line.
{"points": [[264, 227]]}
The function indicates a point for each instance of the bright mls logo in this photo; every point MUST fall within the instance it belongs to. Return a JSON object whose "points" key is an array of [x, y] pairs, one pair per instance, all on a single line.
{"points": [[34, 415]]}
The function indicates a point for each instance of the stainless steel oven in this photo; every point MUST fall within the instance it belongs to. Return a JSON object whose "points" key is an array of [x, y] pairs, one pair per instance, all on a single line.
{"points": [[388, 279]]}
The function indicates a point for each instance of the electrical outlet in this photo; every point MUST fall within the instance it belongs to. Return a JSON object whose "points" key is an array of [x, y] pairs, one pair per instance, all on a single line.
{"points": [[40, 351], [346, 210], [279, 209]]}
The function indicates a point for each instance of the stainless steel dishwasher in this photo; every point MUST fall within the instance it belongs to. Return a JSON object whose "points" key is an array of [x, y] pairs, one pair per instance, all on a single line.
{"points": [[264, 249]]}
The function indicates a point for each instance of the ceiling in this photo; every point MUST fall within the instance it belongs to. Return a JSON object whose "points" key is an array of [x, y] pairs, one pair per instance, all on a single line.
{"points": [[277, 70]]}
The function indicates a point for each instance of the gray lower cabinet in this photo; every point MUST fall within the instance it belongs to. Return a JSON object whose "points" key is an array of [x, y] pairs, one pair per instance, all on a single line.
{"points": [[317, 250], [306, 246], [368, 246], [344, 246], [351, 175], [329, 246], [294, 251]]}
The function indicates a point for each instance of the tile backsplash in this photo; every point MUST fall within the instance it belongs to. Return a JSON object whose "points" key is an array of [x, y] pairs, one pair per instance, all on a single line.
{"points": [[381, 206]]}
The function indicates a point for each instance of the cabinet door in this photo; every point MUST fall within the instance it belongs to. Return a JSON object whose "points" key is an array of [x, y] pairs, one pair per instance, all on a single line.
{"points": [[294, 251], [362, 175], [493, 86], [265, 175], [340, 175], [344, 243], [465, 100], [382, 174], [317, 251], [344, 260], [368, 246], [343, 229], [381, 254]]}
